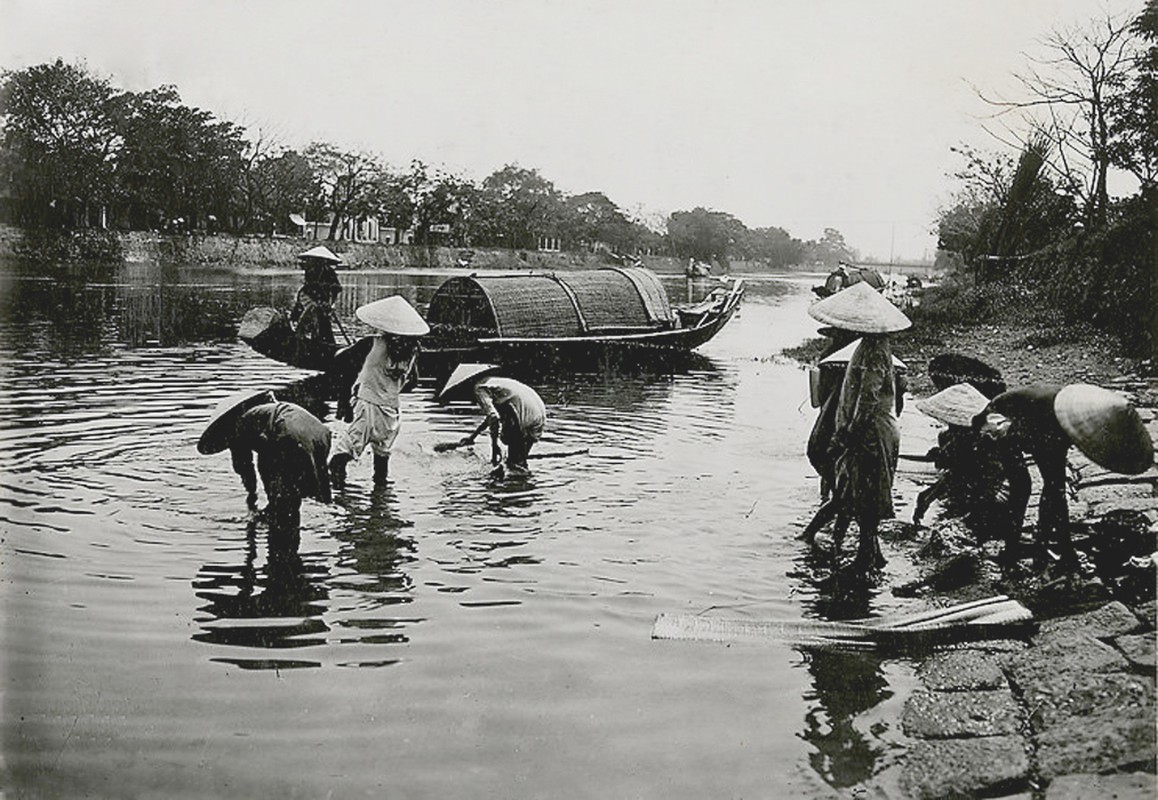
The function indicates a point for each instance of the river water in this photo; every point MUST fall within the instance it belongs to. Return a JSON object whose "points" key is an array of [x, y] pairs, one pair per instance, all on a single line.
{"points": [[449, 636]]}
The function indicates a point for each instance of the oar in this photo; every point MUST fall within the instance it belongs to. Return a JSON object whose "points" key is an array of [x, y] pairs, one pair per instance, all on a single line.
{"points": [[341, 327], [560, 453], [443, 447]]}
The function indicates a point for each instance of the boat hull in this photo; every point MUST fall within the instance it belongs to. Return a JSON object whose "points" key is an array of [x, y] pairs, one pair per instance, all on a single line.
{"points": [[443, 349]]}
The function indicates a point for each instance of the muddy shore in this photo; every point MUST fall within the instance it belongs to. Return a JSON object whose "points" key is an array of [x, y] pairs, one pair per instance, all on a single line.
{"points": [[1068, 711]]}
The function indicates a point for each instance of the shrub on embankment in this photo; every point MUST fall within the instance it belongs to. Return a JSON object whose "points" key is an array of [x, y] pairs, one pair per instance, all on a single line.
{"points": [[1104, 281], [259, 251]]}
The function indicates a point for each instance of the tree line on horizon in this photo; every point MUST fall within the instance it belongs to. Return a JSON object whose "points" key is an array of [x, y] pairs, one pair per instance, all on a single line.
{"points": [[76, 152]]}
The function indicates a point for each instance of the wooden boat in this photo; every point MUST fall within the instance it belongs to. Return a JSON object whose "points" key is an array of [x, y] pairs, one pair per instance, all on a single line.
{"points": [[531, 319]]}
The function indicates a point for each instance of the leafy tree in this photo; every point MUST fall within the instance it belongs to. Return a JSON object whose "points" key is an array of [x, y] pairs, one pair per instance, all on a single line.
{"points": [[515, 206], [830, 249], [60, 142], [178, 162], [421, 198], [774, 247], [279, 185], [1134, 112], [704, 235], [1004, 211], [591, 218], [345, 184]]}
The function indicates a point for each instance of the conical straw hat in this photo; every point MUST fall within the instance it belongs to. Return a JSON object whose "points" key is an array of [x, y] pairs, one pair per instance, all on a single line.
{"points": [[1105, 427], [215, 437], [321, 252], [844, 355], [859, 308], [393, 315], [957, 405], [463, 373]]}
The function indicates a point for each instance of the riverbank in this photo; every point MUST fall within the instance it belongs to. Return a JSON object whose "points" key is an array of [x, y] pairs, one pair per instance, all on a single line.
{"points": [[263, 251], [1070, 712]]}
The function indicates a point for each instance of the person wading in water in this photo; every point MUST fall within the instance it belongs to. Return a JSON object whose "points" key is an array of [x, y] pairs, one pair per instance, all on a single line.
{"points": [[866, 440], [291, 446], [387, 371]]}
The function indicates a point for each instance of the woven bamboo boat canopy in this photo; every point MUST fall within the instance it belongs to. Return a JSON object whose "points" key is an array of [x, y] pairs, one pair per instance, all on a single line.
{"points": [[572, 304]]}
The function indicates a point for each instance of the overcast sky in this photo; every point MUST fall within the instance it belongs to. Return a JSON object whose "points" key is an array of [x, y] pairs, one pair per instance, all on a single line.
{"points": [[804, 114]]}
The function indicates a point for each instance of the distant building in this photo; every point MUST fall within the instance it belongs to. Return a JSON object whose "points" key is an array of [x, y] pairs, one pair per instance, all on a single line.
{"points": [[366, 229]]}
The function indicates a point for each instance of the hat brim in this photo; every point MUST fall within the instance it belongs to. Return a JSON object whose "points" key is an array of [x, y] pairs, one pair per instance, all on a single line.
{"points": [[957, 405], [464, 374], [860, 308], [1105, 427], [321, 254], [215, 437], [393, 315]]}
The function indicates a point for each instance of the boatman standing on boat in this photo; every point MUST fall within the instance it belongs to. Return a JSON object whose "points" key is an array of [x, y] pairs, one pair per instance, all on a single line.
{"points": [[291, 446], [388, 370], [314, 306], [866, 438], [515, 414]]}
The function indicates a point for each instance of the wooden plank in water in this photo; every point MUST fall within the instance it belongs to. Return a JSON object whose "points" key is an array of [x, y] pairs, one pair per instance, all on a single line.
{"points": [[994, 616]]}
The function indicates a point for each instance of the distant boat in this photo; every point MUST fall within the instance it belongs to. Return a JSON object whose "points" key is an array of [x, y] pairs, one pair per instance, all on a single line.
{"points": [[565, 318]]}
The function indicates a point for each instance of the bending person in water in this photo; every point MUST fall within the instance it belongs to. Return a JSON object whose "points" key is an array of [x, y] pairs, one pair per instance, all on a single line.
{"points": [[515, 414], [291, 446]]}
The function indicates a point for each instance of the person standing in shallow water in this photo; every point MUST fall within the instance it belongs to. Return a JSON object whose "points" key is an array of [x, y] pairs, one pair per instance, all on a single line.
{"points": [[387, 371], [866, 439]]}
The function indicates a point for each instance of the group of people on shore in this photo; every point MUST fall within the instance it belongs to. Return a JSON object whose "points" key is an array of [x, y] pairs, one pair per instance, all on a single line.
{"points": [[982, 454], [299, 456]]}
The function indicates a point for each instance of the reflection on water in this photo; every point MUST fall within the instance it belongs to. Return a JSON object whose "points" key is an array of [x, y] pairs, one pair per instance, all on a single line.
{"points": [[279, 606], [514, 613], [844, 686]]}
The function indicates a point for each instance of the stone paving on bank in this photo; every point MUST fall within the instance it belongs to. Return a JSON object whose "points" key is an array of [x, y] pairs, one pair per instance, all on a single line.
{"points": [[1068, 714]]}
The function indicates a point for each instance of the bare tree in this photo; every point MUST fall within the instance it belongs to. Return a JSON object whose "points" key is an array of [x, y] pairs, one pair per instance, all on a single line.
{"points": [[1069, 90]]}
